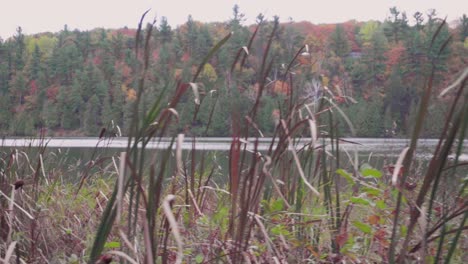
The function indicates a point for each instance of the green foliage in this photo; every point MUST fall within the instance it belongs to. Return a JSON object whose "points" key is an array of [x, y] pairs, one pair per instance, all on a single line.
{"points": [[366, 117], [365, 228], [371, 172], [339, 42], [92, 116], [367, 61]]}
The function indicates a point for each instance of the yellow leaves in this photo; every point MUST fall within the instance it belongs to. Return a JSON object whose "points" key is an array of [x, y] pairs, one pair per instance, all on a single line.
{"points": [[325, 80], [124, 88], [367, 31], [130, 93], [208, 73], [45, 42]]}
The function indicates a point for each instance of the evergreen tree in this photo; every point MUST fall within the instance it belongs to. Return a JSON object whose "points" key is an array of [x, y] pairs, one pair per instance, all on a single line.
{"points": [[238, 40], [419, 19], [51, 115], [374, 60], [4, 67], [107, 111], [20, 48], [35, 63], [165, 31], [76, 104], [339, 42], [396, 25], [203, 44], [92, 116], [463, 27], [18, 88], [399, 97], [434, 55], [163, 65], [5, 113], [117, 46], [191, 35]]}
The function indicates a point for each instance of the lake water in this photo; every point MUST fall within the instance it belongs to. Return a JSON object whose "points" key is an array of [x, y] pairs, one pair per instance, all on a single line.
{"points": [[389, 147], [75, 154]]}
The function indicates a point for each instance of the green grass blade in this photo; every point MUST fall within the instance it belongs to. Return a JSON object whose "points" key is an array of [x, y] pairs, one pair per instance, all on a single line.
{"points": [[210, 55]]}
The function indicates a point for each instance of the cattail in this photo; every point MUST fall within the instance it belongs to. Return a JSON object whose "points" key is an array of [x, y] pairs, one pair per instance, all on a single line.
{"points": [[103, 132], [105, 259], [18, 184]]}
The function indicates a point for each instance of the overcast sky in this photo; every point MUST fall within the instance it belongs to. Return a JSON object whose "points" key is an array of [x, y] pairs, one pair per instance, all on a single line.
{"points": [[51, 15]]}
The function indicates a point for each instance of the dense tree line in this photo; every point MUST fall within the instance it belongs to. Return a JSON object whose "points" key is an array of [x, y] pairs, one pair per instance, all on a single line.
{"points": [[76, 82]]}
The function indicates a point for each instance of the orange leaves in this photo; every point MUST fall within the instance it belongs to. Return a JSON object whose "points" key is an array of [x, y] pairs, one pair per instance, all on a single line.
{"points": [[394, 56], [131, 94], [304, 60], [280, 87], [373, 219]]}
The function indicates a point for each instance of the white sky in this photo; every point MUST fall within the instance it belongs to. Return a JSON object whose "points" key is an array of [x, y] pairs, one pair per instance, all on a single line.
{"points": [[51, 15]]}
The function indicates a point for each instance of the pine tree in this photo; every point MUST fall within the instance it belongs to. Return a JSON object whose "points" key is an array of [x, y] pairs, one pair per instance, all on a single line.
{"points": [[396, 25], [92, 116], [165, 31], [339, 42], [5, 113], [374, 60], [4, 67], [35, 63], [463, 27], [20, 48]]}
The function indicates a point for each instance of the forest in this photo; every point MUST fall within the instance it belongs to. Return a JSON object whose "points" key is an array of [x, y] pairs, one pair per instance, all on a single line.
{"points": [[74, 83]]}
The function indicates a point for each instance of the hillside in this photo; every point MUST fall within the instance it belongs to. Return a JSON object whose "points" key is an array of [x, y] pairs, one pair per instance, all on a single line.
{"points": [[77, 82]]}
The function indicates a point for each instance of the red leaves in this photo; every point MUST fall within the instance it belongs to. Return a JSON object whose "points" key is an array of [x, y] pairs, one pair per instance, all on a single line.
{"points": [[33, 87], [52, 92], [124, 69], [391, 168], [97, 60], [409, 186], [185, 57], [340, 99], [342, 238]]}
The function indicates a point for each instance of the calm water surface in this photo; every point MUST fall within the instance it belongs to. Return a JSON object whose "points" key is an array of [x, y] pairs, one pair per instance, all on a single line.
{"points": [[376, 151], [376, 146]]}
